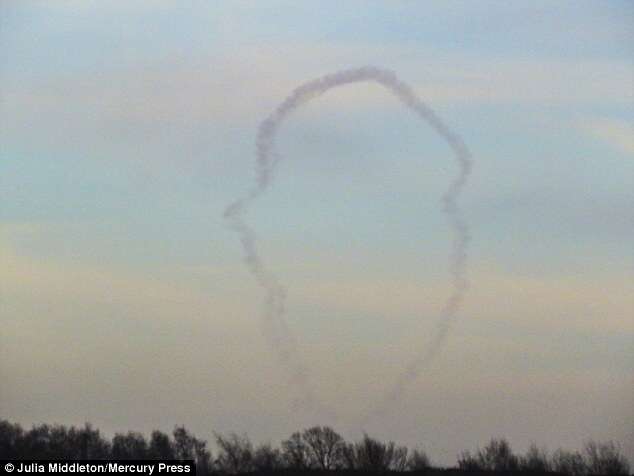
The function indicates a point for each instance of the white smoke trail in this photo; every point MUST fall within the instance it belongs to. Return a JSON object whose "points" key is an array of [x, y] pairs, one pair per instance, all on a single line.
{"points": [[274, 322]]}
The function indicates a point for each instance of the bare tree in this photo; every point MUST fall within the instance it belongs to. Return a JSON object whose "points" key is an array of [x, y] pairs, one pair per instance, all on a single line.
{"points": [[267, 458], [295, 452], [418, 461], [399, 458], [58, 441], [317, 448], [349, 457], [370, 454], [188, 447], [160, 446], [497, 456], [325, 447], [535, 460], [61, 441], [11, 438], [91, 444], [468, 462], [605, 458], [569, 463], [129, 446], [184, 443], [235, 453]]}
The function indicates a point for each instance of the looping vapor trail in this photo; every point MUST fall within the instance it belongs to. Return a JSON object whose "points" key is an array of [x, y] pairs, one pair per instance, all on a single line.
{"points": [[274, 323]]}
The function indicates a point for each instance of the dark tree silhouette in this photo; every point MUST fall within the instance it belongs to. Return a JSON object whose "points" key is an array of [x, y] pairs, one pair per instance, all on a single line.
{"points": [[535, 460], [570, 463], [295, 453], [11, 439], [324, 447], [313, 451], [605, 458], [468, 462], [129, 446], [370, 454], [267, 459], [57, 441], [36, 442], [235, 454], [160, 446], [497, 456], [418, 461], [91, 444], [188, 447]]}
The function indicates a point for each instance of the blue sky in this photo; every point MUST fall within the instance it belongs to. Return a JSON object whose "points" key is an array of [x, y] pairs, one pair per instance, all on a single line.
{"points": [[127, 127]]}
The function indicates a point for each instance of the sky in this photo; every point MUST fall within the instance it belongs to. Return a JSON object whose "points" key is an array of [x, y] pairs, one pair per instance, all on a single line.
{"points": [[127, 127]]}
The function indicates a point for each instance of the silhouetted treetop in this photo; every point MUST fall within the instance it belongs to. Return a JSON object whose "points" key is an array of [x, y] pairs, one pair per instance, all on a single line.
{"points": [[315, 450]]}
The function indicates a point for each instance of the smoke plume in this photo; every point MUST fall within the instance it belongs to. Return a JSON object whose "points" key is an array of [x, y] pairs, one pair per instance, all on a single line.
{"points": [[274, 323]]}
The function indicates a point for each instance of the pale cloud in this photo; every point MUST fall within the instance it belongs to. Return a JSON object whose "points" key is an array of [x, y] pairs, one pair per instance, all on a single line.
{"points": [[616, 133], [501, 303], [252, 80], [158, 293], [539, 303]]}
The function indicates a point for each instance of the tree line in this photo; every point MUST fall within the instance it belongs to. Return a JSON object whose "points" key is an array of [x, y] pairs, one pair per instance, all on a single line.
{"points": [[319, 448]]}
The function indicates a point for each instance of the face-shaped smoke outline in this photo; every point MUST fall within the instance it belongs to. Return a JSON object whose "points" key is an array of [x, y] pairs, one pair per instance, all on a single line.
{"points": [[274, 324]]}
